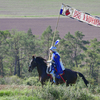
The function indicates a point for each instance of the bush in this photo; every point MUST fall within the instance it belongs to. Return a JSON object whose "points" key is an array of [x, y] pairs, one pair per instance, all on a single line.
{"points": [[32, 81], [53, 92], [18, 81], [98, 89], [2, 81], [11, 80]]}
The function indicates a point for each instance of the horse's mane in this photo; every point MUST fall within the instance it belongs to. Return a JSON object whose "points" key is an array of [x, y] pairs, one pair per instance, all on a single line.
{"points": [[41, 59]]}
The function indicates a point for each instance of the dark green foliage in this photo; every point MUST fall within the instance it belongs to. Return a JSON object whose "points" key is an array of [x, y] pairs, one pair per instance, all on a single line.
{"points": [[72, 49], [46, 40], [77, 91], [2, 81], [32, 81], [11, 80], [17, 48]]}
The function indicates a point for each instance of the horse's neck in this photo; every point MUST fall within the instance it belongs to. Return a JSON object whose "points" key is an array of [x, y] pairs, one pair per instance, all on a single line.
{"points": [[41, 68]]}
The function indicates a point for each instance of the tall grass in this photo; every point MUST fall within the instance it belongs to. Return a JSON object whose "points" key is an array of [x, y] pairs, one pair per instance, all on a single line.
{"points": [[77, 91]]}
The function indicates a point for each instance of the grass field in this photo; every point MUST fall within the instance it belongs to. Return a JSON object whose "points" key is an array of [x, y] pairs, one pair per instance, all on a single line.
{"points": [[31, 89], [48, 92], [45, 8]]}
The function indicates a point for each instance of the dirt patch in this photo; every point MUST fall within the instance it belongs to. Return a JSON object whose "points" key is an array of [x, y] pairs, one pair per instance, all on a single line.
{"points": [[15, 87], [39, 25]]}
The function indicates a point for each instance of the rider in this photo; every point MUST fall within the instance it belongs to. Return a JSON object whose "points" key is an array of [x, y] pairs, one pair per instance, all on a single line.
{"points": [[56, 62]]}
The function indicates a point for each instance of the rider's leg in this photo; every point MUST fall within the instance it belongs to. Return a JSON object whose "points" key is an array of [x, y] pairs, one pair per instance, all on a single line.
{"points": [[53, 75]]}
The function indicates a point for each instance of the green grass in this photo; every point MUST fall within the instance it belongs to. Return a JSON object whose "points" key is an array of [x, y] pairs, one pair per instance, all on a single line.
{"points": [[17, 95], [44, 8], [52, 92], [35, 91]]}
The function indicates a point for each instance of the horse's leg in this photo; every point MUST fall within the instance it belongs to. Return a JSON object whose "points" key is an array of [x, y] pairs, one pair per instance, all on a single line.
{"points": [[56, 81], [41, 80], [67, 83], [44, 78]]}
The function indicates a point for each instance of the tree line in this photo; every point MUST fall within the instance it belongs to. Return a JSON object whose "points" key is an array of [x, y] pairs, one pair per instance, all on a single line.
{"points": [[17, 48]]}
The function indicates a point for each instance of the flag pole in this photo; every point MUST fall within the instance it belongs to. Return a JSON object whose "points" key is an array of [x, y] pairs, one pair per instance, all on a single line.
{"points": [[54, 33], [55, 30]]}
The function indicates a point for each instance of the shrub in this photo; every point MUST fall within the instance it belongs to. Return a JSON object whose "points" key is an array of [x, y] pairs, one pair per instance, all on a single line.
{"points": [[53, 92], [97, 89], [2, 81], [11, 80], [14, 80], [32, 81]]}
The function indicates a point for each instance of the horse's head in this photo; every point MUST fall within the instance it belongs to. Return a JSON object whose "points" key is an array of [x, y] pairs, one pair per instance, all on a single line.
{"points": [[33, 64]]}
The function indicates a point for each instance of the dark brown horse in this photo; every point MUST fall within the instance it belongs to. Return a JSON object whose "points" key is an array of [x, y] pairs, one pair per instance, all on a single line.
{"points": [[69, 76]]}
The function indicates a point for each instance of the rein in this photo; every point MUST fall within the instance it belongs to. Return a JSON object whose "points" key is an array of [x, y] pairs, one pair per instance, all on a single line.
{"points": [[61, 76]]}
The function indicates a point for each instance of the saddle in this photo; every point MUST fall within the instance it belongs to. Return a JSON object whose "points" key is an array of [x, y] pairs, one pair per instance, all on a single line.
{"points": [[58, 75], [49, 66], [49, 70]]}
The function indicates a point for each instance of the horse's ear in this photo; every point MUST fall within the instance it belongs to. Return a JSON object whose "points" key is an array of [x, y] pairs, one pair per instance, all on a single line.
{"points": [[33, 56]]}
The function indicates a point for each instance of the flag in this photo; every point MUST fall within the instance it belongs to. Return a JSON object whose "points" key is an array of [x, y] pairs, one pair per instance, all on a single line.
{"points": [[61, 10], [81, 16]]}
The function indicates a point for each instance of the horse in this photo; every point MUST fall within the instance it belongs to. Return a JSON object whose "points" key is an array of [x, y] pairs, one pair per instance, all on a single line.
{"points": [[69, 75]]}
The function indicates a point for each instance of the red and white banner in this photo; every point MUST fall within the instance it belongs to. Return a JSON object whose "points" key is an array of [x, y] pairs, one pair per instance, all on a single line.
{"points": [[79, 15]]}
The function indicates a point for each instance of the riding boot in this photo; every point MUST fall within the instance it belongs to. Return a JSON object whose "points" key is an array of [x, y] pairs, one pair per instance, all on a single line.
{"points": [[53, 75]]}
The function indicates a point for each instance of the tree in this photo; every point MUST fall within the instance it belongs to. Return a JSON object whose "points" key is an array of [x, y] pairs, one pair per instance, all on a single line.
{"points": [[15, 48], [46, 40], [3, 48], [93, 58], [73, 47]]}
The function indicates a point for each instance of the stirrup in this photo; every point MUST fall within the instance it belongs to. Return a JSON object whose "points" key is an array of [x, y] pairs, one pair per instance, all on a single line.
{"points": [[53, 81]]}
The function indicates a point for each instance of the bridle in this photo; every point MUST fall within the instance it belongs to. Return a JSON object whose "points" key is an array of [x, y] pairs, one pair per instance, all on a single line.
{"points": [[35, 63]]}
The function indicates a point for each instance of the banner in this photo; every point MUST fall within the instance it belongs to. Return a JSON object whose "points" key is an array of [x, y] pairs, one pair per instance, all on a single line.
{"points": [[79, 15]]}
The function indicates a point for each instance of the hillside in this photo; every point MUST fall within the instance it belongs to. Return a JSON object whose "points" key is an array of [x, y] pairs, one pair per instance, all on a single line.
{"points": [[39, 25], [45, 8]]}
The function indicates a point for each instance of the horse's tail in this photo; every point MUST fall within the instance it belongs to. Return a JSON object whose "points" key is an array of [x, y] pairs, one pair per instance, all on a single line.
{"points": [[84, 79]]}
